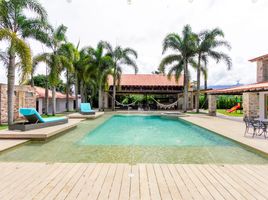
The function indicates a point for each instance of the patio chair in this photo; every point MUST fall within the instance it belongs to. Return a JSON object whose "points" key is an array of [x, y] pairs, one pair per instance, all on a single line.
{"points": [[253, 124], [262, 129], [85, 109], [36, 121]]}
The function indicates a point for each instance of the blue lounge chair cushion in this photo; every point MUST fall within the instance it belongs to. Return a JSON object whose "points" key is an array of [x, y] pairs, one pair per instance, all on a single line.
{"points": [[86, 107], [29, 112]]}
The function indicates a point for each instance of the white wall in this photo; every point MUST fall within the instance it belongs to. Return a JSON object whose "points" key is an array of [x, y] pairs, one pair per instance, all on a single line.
{"points": [[60, 105]]}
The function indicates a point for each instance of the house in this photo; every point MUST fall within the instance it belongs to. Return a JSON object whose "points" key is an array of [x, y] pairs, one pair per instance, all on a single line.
{"points": [[255, 96], [31, 97], [60, 101]]}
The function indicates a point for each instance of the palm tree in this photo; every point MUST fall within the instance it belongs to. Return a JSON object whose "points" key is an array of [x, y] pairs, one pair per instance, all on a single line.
{"points": [[101, 62], [15, 26], [207, 44], [55, 61], [69, 51], [184, 48], [120, 56]]}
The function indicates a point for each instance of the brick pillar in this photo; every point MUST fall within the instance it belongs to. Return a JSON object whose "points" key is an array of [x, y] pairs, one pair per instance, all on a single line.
{"points": [[251, 104], [212, 105]]}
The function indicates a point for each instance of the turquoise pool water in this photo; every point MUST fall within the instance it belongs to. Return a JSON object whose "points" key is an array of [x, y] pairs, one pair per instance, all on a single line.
{"points": [[151, 131], [136, 139]]}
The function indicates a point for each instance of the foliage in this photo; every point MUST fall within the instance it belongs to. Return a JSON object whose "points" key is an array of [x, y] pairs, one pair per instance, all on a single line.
{"points": [[223, 101], [40, 81]]}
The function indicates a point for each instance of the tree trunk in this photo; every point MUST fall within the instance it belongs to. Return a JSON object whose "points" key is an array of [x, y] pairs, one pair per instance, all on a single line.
{"points": [[76, 92], [114, 93], [100, 98], [206, 87], [46, 99], [11, 87], [67, 90], [82, 92], [53, 100], [32, 80], [185, 91], [198, 84]]}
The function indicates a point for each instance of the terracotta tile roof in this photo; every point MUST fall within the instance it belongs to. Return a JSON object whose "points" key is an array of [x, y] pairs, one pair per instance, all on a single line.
{"points": [[240, 89], [40, 93], [259, 58], [146, 80]]}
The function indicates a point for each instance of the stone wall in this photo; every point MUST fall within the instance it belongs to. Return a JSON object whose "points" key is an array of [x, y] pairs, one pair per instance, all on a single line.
{"points": [[251, 104], [212, 105], [25, 96], [262, 71]]}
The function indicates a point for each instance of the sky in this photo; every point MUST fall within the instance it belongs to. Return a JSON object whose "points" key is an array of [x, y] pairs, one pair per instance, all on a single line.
{"points": [[143, 24]]}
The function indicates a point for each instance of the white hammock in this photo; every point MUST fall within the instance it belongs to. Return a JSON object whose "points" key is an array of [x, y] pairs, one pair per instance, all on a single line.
{"points": [[121, 104], [164, 106]]}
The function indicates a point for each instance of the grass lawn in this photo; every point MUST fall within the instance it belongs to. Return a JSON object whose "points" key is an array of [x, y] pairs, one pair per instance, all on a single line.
{"points": [[233, 114], [2, 127], [57, 115]]}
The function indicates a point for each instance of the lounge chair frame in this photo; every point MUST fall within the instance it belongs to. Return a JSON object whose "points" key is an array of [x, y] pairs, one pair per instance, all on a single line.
{"points": [[26, 126]]}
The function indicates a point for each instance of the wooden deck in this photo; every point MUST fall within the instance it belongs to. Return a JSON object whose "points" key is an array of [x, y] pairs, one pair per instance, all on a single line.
{"points": [[80, 116], [40, 134], [7, 143], [122, 181]]}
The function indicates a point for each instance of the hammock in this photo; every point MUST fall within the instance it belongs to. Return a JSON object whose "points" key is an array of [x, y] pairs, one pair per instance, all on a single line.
{"points": [[121, 104], [164, 106]]}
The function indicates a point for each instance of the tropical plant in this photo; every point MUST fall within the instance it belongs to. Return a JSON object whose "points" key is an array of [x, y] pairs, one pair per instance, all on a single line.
{"points": [[55, 61], [207, 44], [102, 64], [72, 54], [184, 51], [15, 26], [120, 57]]}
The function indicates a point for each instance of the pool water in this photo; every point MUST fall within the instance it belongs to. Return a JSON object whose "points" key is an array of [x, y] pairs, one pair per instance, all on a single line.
{"points": [[136, 139]]}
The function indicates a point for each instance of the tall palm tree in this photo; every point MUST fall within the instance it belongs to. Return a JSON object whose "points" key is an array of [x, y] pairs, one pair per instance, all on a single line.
{"points": [[120, 57], [69, 51], [15, 25], [207, 44], [54, 60], [102, 62], [184, 50]]}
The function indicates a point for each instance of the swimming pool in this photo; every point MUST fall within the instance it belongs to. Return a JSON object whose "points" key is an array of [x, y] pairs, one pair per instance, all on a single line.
{"points": [[136, 139]]}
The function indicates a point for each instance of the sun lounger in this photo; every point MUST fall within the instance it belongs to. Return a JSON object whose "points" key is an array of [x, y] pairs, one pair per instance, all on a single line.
{"points": [[85, 109], [36, 121]]}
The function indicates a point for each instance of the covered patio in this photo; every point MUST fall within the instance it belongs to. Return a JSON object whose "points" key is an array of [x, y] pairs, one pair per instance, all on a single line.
{"points": [[166, 91]]}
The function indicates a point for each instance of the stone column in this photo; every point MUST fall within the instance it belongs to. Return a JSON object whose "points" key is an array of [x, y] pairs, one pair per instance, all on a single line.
{"points": [[212, 105], [251, 104]]}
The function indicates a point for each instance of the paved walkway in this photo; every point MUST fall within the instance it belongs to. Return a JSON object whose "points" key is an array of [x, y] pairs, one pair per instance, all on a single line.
{"points": [[231, 129], [122, 181]]}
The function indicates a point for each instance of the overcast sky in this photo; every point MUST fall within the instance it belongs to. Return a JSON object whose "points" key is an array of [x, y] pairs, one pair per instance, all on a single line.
{"points": [[143, 24]]}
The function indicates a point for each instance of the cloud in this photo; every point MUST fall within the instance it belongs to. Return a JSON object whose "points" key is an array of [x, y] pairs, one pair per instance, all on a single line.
{"points": [[143, 25]]}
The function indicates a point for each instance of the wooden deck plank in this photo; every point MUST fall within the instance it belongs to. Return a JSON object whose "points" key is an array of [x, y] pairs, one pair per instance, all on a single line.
{"points": [[153, 186], [106, 187], [67, 188], [182, 187], [117, 182], [175, 194], [163, 188], [88, 186], [205, 182], [73, 194], [216, 183], [134, 183], [125, 185], [200, 187], [238, 187], [144, 185], [97, 186], [186, 179], [246, 181]]}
